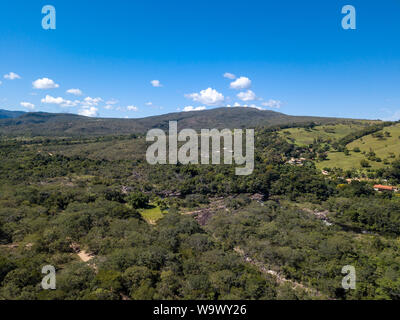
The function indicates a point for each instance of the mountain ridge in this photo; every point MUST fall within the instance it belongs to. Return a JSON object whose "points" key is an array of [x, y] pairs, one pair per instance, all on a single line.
{"points": [[7, 114], [65, 124]]}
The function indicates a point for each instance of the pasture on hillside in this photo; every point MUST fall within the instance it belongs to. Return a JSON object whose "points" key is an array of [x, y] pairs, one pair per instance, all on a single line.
{"points": [[386, 147], [332, 132]]}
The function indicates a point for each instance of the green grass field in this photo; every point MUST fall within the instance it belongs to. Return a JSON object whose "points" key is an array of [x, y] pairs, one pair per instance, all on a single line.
{"points": [[340, 160], [305, 137], [383, 148]]}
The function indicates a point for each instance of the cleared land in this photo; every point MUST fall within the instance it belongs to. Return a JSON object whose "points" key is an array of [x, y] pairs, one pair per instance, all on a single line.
{"points": [[382, 147], [305, 137], [385, 148]]}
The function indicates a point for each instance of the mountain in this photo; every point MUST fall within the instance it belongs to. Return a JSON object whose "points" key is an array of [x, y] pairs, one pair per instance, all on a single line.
{"points": [[51, 124], [5, 114]]}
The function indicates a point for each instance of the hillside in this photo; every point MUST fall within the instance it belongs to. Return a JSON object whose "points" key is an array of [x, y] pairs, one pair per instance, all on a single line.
{"points": [[329, 132], [6, 114], [379, 149], [42, 124]]}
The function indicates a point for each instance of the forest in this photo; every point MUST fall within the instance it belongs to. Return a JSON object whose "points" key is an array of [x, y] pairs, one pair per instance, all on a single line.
{"points": [[118, 228]]}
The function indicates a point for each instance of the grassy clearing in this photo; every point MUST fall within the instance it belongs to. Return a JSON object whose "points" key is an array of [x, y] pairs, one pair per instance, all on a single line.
{"points": [[152, 215], [384, 148], [340, 160], [305, 137]]}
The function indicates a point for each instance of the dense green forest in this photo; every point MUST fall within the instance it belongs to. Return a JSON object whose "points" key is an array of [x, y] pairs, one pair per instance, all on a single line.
{"points": [[284, 232]]}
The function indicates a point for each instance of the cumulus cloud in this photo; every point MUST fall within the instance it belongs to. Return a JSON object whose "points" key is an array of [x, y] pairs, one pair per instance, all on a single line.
{"points": [[209, 97], [191, 108], [44, 83], [89, 101], [76, 92], [272, 104], [229, 76], [60, 101], [108, 107], [12, 76], [236, 104], [241, 83], [52, 100], [255, 107], [247, 95], [132, 108], [28, 105], [89, 111], [156, 83]]}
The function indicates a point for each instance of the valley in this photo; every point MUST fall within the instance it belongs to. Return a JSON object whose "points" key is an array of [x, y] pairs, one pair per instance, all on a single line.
{"points": [[116, 227]]}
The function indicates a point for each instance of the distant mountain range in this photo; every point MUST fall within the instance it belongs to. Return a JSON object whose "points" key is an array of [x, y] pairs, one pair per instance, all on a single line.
{"points": [[56, 124], [5, 114]]}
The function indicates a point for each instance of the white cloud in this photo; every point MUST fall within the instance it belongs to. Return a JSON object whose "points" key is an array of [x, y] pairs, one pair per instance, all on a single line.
{"points": [[247, 95], [112, 102], [272, 104], [60, 101], [44, 83], [108, 107], [229, 76], [88, 111], [89, 101], [76, 92], [28, 105], [191, 108], [149, 103], [12, 76], [255, 107], [69, 103], [132, 108], [236, 104], [51, 100], [241, 83], [156, 83], [210, 97]]}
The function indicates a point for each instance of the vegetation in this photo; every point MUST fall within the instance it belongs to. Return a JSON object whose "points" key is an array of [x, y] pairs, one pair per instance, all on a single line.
{"points": [[116, 227]]}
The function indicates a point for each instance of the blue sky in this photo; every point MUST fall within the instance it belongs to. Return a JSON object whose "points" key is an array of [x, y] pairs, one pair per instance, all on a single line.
{"points": [[289, 56]]}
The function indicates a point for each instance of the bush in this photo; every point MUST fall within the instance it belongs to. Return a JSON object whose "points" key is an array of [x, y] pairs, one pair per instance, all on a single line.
{"points": [[138, 200], [364, 163]]}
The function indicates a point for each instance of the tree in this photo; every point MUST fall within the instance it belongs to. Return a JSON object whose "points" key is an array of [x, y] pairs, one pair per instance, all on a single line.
{"points": [[138, 200], [364, 163]]}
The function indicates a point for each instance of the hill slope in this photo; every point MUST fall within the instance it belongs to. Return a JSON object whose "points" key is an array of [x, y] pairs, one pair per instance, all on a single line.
{"points": [[6, 114], [72, 125], [386, 148]]}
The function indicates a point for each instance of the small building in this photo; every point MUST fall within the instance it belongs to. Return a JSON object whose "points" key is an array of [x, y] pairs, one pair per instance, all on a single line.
{"points": [[380, 187], [296, 162]]}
